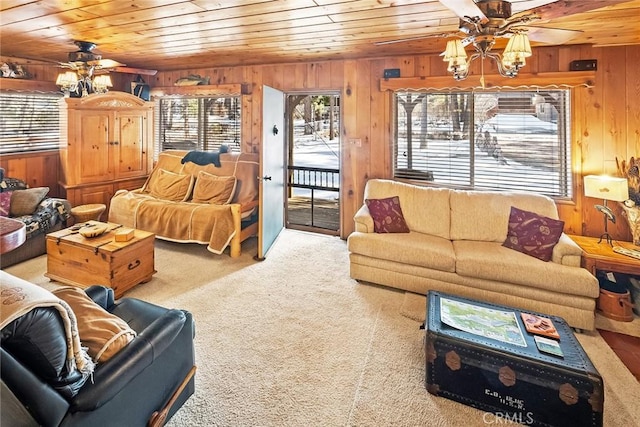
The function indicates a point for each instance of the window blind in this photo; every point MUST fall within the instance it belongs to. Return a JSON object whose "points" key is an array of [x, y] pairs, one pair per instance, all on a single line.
{"points": [[29, 122], [506, 140], [199, 123]]}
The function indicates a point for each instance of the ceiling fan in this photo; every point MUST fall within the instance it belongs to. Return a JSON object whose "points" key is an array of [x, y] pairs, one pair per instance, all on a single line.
{"points": [[483, 21], [85, 62], [493, 18]]}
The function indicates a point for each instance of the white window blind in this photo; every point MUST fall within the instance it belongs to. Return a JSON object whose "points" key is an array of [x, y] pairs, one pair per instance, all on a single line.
{"points": [[506, 141], [191, 123], [29, 122]]}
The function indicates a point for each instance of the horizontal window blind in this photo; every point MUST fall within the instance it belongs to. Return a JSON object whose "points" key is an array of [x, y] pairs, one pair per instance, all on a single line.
{"points": [[29, 122], [198, 123], [506, 141]]}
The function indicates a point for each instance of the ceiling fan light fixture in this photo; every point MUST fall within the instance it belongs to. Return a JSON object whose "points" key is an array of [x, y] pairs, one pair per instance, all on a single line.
{"points": [[67, 78], [102, 83], [518, 46], [454, 51]]}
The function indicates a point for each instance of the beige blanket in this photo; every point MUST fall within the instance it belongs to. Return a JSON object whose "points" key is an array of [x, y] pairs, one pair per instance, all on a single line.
{"points": [[183, 222], [188, 222], [19, 297]]}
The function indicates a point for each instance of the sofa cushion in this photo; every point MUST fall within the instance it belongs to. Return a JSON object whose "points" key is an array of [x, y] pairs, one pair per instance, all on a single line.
{"points": [[103, 333], [492, 261], [491, 209], [425, 209], [25, 202], [213, 189], [166, 185], [532, 234], [408, 248], [387, 215]]}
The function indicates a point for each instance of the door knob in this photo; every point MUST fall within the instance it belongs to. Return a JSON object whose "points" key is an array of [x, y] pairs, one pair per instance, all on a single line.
{"points": [[266, 178]]}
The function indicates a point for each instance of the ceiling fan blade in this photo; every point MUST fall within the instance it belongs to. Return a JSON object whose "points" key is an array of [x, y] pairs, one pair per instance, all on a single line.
{"points": [[410, 39], [562, 8], [464, 8], [551, 35], [105, 63], [132, 70]]}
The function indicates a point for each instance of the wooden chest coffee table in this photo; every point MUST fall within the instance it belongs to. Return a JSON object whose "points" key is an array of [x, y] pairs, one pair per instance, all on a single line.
{"points": [[82, 261]]}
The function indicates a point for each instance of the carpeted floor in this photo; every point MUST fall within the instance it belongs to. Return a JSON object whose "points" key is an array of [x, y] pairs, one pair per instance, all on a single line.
{"points": [[293, 341]]}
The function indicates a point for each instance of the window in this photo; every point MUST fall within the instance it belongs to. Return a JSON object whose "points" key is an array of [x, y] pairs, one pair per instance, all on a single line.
{"points": [[198, 123], [485, 141], [29, 122]]}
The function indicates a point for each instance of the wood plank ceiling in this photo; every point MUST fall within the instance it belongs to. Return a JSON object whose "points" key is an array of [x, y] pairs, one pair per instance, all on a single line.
{"points": [[178, 34]]}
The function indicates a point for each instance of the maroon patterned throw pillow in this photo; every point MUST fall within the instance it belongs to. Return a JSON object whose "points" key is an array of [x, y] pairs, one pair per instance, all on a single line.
{"points": [[533, 234], [387, 215], [5, 203]]}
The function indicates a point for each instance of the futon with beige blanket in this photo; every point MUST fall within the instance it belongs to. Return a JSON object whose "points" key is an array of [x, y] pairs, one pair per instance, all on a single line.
{"points": [[194, 203]]}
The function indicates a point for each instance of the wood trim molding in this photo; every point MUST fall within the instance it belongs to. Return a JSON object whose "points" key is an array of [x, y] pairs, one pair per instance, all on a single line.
{"points": [[203, 90], [28, 85], [492, 81], [112, 99]]}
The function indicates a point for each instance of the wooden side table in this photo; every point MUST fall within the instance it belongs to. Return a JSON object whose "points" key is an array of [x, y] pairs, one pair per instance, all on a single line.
{"points": [[84, 213], [600, 256]]}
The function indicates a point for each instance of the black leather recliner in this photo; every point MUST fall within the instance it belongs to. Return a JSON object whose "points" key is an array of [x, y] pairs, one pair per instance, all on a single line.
{"points": [[144, 383]]}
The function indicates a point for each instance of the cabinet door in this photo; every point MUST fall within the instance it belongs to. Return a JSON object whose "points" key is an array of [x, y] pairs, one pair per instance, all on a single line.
{"points": [[131, 144], [94, 150]]}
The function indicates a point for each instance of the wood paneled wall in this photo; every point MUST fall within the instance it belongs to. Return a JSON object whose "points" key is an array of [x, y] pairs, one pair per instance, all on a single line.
{"points": [[606, 117]]}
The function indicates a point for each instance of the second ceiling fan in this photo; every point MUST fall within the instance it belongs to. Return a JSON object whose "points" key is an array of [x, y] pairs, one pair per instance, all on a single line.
{"points": [[494, 18]]}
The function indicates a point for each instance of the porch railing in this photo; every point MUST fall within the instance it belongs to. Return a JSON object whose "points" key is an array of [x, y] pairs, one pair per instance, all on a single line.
{"points": [[313, 178]]}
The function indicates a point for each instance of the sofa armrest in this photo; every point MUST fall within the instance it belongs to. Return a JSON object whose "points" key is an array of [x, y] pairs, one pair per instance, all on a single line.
{"points": [[110, 378], [363, 220], [567, 252]]}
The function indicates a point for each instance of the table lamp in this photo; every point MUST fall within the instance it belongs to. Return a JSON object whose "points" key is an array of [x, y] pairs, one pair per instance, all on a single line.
{"points": [[606, 188]]}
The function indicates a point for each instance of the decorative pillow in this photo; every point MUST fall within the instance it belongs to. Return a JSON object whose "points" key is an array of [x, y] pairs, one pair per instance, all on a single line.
{"points": [[103, 333], [387, 215], [25, 202], [533, 234], [5, 203], [171, 186], [213, 189], [11, 184]]}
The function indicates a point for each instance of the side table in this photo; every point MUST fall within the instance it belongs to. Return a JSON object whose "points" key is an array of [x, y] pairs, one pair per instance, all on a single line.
{"points": [[84, 213], [602, 257]]}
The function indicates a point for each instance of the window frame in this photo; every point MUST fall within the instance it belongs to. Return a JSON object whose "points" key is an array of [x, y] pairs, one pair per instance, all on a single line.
{"points": [[564, 175]]}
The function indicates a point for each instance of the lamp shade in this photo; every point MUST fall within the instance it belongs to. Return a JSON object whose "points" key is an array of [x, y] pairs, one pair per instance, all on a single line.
{"points": [[518, 46], [454, 52], [606, 187], [102, 81], [67, 78]]}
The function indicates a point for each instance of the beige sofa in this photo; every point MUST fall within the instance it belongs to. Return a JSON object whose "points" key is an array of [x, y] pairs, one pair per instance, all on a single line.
{"points": [[168, 203], [455, 246]]}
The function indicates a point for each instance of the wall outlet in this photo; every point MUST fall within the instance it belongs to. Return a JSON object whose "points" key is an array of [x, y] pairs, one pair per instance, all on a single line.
{"points": [[356, 142]]}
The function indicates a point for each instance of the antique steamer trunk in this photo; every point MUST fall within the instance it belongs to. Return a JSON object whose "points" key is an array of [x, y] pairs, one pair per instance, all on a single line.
{"points": [[516, 383], [100, 260]]}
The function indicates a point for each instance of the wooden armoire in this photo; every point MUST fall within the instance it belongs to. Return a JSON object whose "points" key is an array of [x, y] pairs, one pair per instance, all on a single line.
{"points": [[106, 144]]}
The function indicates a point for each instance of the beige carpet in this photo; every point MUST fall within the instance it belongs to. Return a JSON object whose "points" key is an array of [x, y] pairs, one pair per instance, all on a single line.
{"points": [[293, 341]]}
